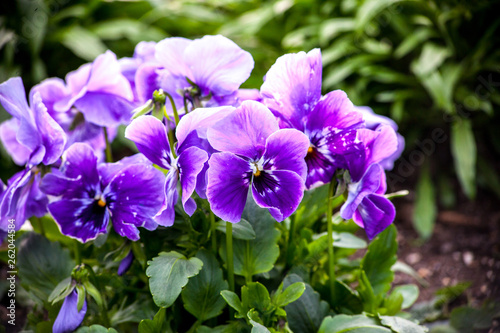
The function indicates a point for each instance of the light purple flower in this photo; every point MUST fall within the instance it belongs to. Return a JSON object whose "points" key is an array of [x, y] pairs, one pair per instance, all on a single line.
{"points": [[215, 64], [366, 204], [292, 91], [150, 136], [100, 92], [69, 318], [256, 153], [38, 138], [128, 192], [374, 121]]}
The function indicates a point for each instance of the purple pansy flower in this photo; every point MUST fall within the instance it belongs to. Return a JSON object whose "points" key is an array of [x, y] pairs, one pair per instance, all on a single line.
{"points": [[292, 91], [256, 153], [215, 64], [129, 192], [69, 318], [366, 204], [126, 263], [150, 136], [100, 92], [374, 121]]}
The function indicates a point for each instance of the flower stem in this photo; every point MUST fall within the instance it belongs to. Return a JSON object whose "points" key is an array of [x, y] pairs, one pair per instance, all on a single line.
{"points": [[229, 254], [171, 142], [78, 256], [109, 156], [291, 232], [174, 109], [212, 232], [331, 258]]}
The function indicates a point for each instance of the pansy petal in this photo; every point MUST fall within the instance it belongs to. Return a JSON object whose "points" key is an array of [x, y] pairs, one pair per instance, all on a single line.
{"points": [[166, 214], [13, 98], [126, 263], [104, 109], [146, 80], [381, 145], [80, 162], [17, 187], [51, 90], [321, 166], [286, 150], [228, 181], [244, 131], [8, 131], [134, 196], [170, 54], [69, 318], [150, 136], [200, 120], [108, 171], [280, 190], [52, 135], [292, 86], [82, 219], [190, 163], [223, 67], [357, 191], [375, 213]]}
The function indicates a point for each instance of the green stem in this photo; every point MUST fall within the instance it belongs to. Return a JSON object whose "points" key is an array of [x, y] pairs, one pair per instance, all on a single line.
{"points": [[171, 142], [229, 253], [331, 258], [109, 156], [40, 225], [78, 256], [212, 232], [289, 247], [174, 109]]}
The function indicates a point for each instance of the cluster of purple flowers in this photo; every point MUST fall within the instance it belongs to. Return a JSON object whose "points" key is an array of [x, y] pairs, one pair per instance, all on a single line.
{"points": [[279, 141]]}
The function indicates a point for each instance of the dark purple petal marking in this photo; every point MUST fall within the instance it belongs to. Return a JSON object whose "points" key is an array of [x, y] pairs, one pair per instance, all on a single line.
{"points": [[190, 163], [69, 318], [375, 213]]}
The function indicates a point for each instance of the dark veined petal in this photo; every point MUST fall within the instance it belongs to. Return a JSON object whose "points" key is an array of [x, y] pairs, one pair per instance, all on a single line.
{"points": [[286, 150], [150, 136], [375, 213], [244, 131], [369, 184], [166, 214], [280, 190], [321, 166], [190, 164], [218, 65], [82, 219], [69, 318], [292, 86], [229, 177], [133, 197]]}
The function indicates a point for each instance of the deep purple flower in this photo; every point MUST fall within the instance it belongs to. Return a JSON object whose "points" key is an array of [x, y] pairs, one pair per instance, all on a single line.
{"points": [[150, 136], [215, 64], [69, 318], [366, 204], [128, 192], [126, 263], [38, 138], [254, 151], [100, 92], [374, 121], [292, 91]]}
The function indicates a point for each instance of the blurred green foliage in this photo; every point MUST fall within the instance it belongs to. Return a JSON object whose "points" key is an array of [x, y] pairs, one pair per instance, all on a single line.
{"points": [[428, 64]]}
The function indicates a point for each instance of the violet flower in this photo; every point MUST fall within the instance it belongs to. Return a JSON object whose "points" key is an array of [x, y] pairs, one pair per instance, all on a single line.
{"points": [[255, 152], [150, 136], [100, 92], [292, 91], [366, 204], [128, 192], [69, 318], [214, 64]]}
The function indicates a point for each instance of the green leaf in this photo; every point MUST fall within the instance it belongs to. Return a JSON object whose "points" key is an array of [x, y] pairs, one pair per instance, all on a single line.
{"points": [[370, 9], [463, 148], [312, 206], [258, 255], [241, 230], [83, 43], [155, 325], [291, 294], [202, 296], [346, 300], [412, 41], [92, 291], [346, 240], [424, 214], [96, 329], [169, 273], [431, 58], [306, 313], [369, 300], [133, 30], [410, 294], [81, 297], [378, 260], [42, 265], [233, 300], [63, 289], [258, 328], [255, 296], [401, 325], [351, 324], [333, 27]]}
